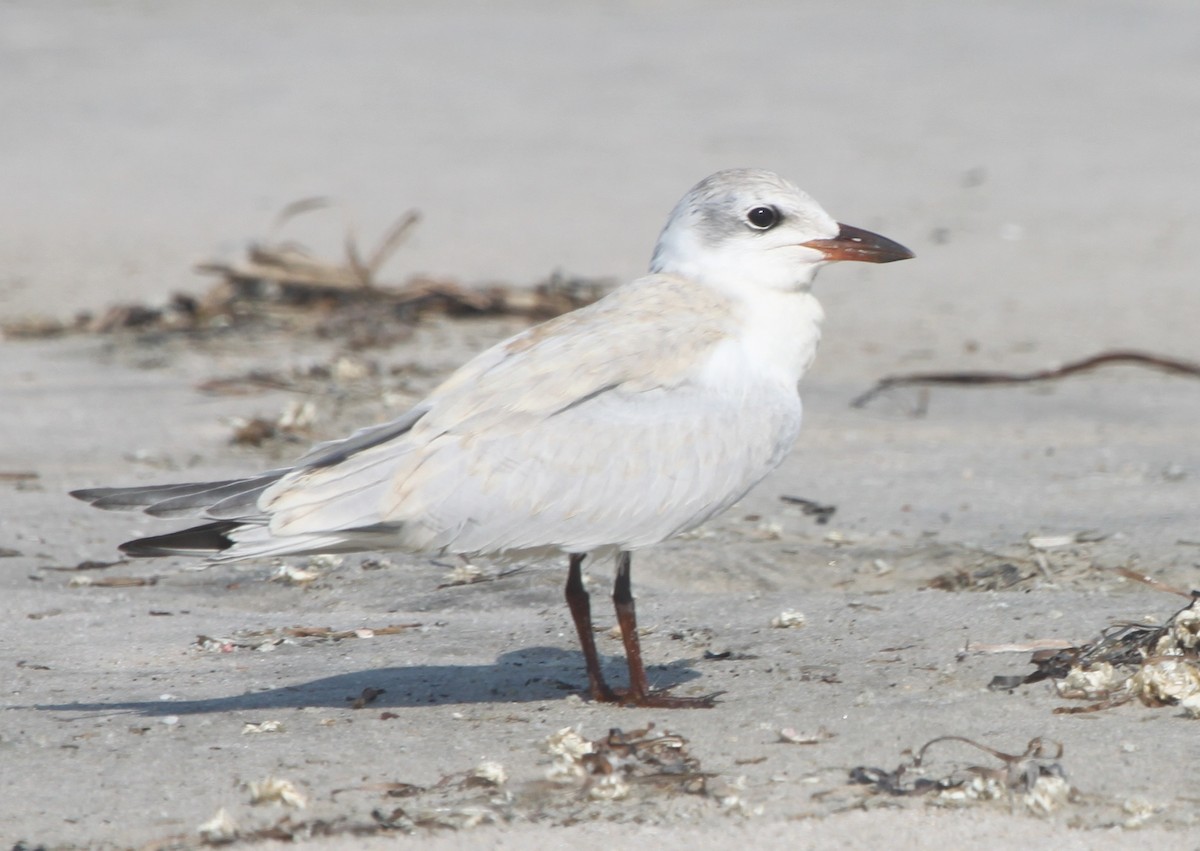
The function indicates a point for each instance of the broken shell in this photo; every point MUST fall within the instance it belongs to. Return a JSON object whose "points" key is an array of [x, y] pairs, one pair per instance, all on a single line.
{"points": [[219, 829], [788, 619], [276, 790], [1167, 680]]}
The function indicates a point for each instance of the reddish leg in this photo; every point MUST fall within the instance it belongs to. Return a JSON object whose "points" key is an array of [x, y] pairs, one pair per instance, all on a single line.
{"points": [[639, 693], [581, 613]]}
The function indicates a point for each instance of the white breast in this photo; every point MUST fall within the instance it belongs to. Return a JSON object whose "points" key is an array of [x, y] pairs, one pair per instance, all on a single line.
{"points": [[777, 338]]}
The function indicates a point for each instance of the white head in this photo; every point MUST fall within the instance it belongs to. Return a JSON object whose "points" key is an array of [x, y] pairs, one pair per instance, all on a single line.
{"points": [[748, 226]]}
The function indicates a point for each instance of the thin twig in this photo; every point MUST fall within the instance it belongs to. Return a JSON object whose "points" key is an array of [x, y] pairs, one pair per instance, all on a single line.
{"points": [[1132, 358]]}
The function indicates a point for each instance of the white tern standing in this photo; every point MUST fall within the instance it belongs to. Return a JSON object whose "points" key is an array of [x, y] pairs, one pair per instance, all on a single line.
{"points": [[607, 429]]}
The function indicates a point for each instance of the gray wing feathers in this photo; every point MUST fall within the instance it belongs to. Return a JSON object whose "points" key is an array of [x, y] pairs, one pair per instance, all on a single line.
{"points": [[336, 451], [239, 499], [192, 499], [223, 501]]}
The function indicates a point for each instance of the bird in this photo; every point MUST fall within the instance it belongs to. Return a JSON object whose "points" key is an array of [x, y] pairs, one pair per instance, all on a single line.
{"points": [[602, 431]]}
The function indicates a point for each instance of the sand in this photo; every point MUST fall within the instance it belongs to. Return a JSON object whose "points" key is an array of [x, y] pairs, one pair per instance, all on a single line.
{"points": [[1037, 157]]}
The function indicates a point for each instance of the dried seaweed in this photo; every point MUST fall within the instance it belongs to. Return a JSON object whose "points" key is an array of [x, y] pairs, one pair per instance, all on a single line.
{"points": [[282, 284], [1157, 664], [1033, 779], [85, 565], [19, 476], [1170, 365], [588, 780], [992, 577], [810, 508]]}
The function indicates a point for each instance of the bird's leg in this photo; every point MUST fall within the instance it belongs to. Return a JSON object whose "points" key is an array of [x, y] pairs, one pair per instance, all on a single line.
{"points": [[638, 693], [581, 612]]}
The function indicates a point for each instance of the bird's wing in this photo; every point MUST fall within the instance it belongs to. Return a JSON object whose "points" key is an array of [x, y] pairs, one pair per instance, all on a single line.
{"points": [[535, 422], [623, 467], [651, 333]]}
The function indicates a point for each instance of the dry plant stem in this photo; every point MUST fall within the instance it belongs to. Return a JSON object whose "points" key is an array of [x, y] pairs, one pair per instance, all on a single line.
{"points": [[1036, 749], [1154, 583], [1133, 358]]}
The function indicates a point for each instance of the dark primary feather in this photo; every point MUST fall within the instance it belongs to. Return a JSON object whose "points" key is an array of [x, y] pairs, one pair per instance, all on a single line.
{"points": [[208, 539]]}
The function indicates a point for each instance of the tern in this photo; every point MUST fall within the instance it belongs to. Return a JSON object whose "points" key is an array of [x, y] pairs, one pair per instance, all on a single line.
{"points": [[605, 430]]}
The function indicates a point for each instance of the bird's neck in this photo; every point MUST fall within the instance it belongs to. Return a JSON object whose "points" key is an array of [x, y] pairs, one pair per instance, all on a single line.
{"points": [[775, 339]]}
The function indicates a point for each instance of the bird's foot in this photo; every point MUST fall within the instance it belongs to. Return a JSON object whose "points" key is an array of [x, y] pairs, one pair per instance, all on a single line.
{"points": [[656, 699]]}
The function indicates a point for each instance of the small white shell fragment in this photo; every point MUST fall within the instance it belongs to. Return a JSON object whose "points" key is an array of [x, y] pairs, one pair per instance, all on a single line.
{"points": [[1185, 629], [262, 727], [1049, 793], [292, 574], [1140, 811], [609, 787], [978, 788], [347, 369], [1052, 542], [464, 574], [1099, 682], [297, 415], [789, 736], [769, 530], [788, 619], [490, 772], [1191, 705], [219, 829], [568, 742], [728, 794], [833, 536], [276, 790], [568, 749]]}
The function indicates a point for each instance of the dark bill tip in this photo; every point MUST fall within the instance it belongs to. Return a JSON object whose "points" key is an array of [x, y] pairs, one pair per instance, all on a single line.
{"points": [[853, 243]]}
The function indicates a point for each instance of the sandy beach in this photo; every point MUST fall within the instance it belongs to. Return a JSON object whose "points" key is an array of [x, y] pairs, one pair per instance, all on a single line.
{"points": [[1038, 158]]}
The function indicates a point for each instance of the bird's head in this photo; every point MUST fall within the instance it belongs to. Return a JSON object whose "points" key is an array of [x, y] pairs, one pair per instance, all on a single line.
{"points": [[751, 227]]}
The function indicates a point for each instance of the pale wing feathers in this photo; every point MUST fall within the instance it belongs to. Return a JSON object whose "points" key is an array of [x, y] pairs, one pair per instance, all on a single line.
{"points": [[650, 333], [628, 470], [497, 426], [586, 431]]}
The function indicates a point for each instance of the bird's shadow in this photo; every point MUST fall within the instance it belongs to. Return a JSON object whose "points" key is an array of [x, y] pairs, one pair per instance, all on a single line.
{"points": [[529, 675]]}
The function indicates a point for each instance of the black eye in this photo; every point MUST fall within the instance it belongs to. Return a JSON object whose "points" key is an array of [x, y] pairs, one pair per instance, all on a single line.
{"points": [[763, 218]]}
